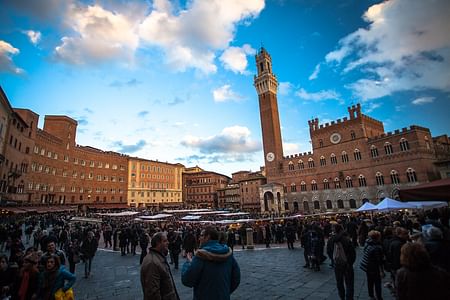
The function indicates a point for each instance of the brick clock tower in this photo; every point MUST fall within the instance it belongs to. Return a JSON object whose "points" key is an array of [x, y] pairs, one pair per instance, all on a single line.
{"points": [[266, 86]]}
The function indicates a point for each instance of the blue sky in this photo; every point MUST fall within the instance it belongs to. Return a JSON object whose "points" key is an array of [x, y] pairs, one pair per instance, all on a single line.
{"points": [[173, 80]]}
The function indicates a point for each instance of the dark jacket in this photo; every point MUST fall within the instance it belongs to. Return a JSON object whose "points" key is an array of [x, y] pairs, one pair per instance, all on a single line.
{"points": [[393, 255], [213, 272], [372, 260], [89, 247], [430, 284], [156, 279], [439, 251], [349, 250]]}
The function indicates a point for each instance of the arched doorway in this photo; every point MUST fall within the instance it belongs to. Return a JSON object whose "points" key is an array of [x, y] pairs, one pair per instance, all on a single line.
{"points": [[306, 206], [295, 206], [365, 200], [268, 199], [352, 203], [340, 203], [279, 201], [329, 204]]}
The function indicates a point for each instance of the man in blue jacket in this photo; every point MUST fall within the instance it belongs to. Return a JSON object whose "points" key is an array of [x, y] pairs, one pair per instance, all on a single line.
{"points": [[212, 272]]}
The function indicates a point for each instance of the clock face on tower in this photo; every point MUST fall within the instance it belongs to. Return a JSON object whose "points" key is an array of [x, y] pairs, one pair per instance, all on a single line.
{"points": [[270, 157], [335, 138]]}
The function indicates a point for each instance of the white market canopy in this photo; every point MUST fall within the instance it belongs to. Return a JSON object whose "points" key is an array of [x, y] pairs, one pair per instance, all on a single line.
{"points": [[367, 207], [428, 204], [85, 220], [214, 212], [389, 204], [234, 214], [156, 217], [190, 218], [119, 214], [183, 211]]}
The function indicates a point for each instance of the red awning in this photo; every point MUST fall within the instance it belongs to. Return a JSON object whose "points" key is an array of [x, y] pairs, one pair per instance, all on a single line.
{"points": [[14, 210], [438, 190]]}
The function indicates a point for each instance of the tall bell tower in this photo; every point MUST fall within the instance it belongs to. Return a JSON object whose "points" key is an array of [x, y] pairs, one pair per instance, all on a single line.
{"points": [[266, 86]]}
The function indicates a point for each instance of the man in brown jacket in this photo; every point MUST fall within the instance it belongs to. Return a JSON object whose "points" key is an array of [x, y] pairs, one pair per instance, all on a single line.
{"points": [[156, 278]]}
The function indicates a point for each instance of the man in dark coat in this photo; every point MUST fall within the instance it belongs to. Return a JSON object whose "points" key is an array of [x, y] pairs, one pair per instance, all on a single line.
{"points": [[156, 278], [88, 249], [344, 272], [175, 243]]}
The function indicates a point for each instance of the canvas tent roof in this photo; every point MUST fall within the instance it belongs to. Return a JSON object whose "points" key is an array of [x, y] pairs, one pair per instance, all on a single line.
{"points": [[367, 207], [389, 204], [431, 191]]}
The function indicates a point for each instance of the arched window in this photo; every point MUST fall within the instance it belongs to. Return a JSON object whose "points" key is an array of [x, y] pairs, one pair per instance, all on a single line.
{"points": [[348, 182], [373, 151], [362, 180], [357, 154], [314, 185], [388, 148], [395, 179], [352, 203], [337, 183], [301, 165], [379, 178], [329, 204], [333, 159], [411, 175], [305, 206], [404, 145], [293, 187], [316, 204], [311, 163], [326, 184], [303, 186], [344, 157], [323, 161], [352, 135], [340, 203], [295, 206], [291, 166]]}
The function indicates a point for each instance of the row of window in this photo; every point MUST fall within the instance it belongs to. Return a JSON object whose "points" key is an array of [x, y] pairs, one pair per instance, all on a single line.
{"points": [[156, 169], [404, 146], [163, 194], [394, 177], [154, 185], [46, 169], [154, 176], [50, 188]]}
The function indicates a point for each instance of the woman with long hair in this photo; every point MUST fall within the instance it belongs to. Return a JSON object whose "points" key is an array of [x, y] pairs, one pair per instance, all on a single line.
{"points": [[26, 285], [55, 277]]}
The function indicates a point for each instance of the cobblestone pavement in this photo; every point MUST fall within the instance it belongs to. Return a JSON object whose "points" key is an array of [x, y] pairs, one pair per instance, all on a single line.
{"points": [[275, 273]]}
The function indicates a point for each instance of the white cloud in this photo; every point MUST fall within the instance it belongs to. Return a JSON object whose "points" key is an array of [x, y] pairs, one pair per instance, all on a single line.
{"points": [[315, 73], [405, 47], [6, 62], [224, 93], [34, 36], [99, 35], [234, 139], [318, 96], [371, 106], [423, 100], [290, 148], [190, 36], [235, 58], [284, 88]]}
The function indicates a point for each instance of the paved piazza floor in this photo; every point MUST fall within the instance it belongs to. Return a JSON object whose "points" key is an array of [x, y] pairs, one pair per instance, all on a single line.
{"points": [[274, 273]]}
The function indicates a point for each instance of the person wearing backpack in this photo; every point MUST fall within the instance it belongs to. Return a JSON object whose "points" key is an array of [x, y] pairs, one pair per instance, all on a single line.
{"points": [[344, 256]]}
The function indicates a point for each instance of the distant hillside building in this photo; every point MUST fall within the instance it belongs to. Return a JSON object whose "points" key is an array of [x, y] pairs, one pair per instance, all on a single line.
{"points": [[352, 161]]}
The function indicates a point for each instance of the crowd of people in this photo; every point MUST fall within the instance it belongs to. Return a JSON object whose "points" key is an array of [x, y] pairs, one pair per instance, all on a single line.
{"points": [[411, 250]]}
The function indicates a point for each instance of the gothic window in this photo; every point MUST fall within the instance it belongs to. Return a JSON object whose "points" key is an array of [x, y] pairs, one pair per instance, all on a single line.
{"points": [[337, 183], [314, 185], [404, 146], [373, 151], [395, 179], [340, 203], [352, 203], [348, 182], [357, 154], [301, 165], [411, 175], [291, 166], [310, 163], [284, 189], [352, 135], [379, 178], [316, 204], [344, 157], [303, 186], [293, 187], [388, 148], [326, 184], [333, 159], [323, 161], [329, 204], [362, 180]]}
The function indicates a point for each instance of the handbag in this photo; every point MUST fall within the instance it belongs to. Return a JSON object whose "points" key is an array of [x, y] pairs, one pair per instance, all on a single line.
{"points": [[61, 295]]}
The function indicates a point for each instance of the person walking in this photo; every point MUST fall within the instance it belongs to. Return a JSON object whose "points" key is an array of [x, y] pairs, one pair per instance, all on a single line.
{"points": [[175, 243], [54, 277], [372, 264], [156, 279], [213, 272], [88, 249], [344, 256]]}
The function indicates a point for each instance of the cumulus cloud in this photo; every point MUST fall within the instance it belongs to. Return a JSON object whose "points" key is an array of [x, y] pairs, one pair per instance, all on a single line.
{"points": [[234, 139], [34, 36], [235, 58], [6, 63], [315, 73], [284, 88], [99, 36], [423, 100], [405, 47], [123, 148], [189, 36], [318, 96], [225, 93]]}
